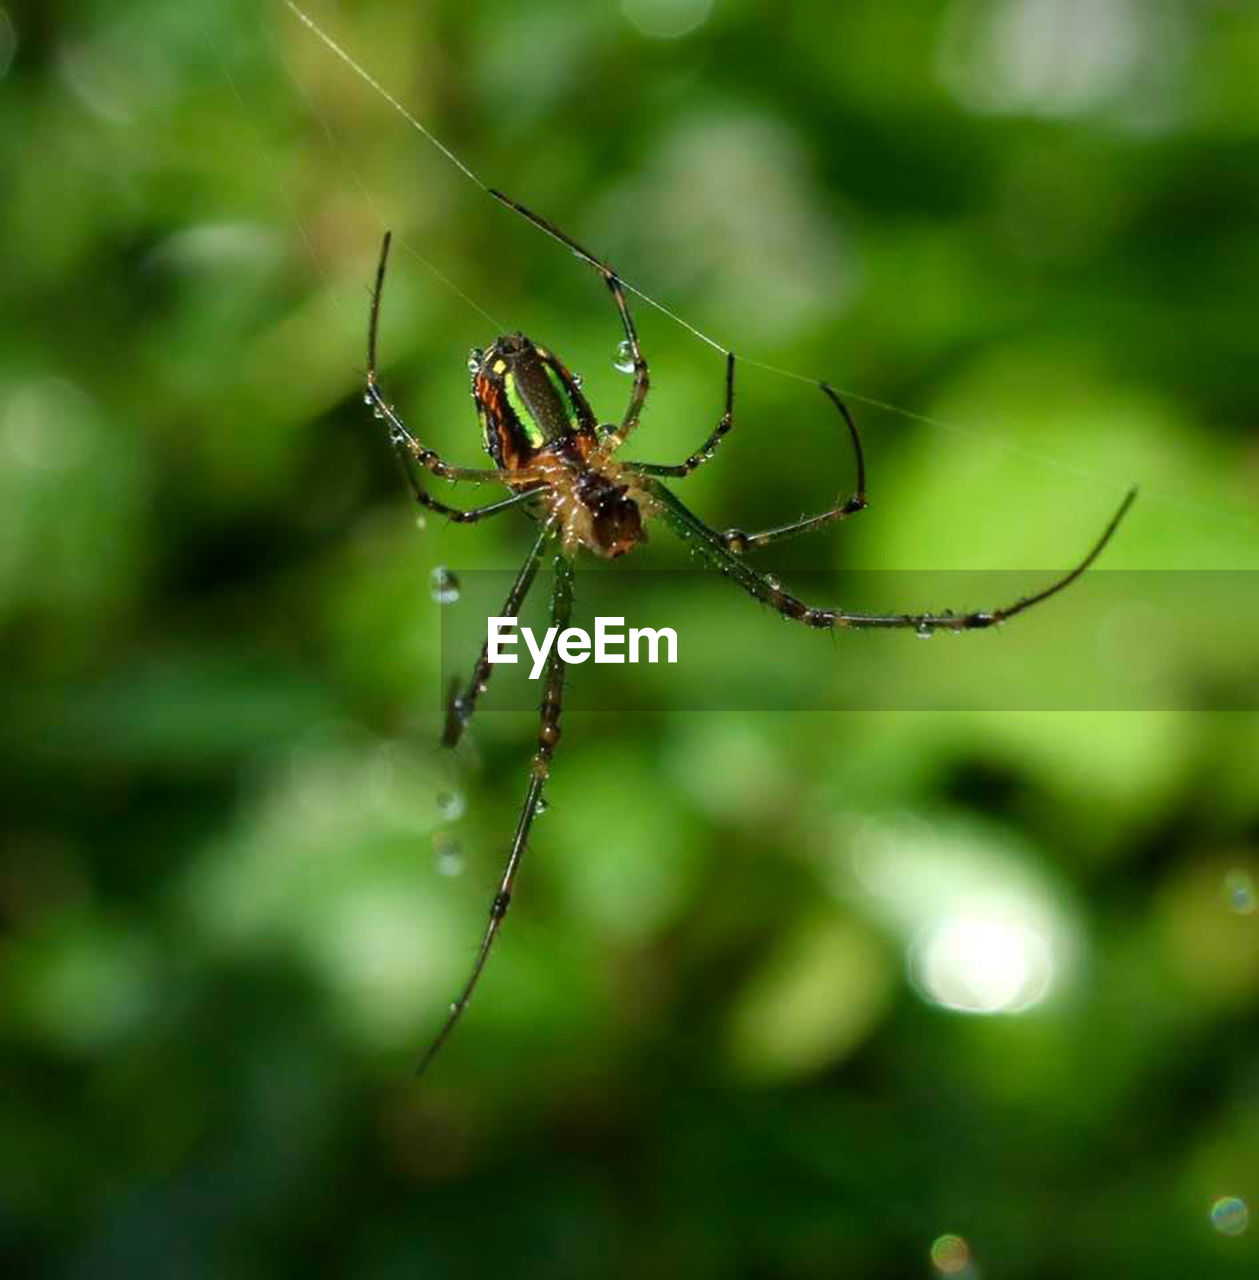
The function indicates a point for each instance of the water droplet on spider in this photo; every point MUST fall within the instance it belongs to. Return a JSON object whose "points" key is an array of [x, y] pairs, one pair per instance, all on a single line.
{"points": [[541, 806], [772, 582], [925, 631], [474, 359], [577, 381], [377, 412], [443, 586], [624, 362], [449, 857], [454, 1006], [451, 805], [367, 398]]}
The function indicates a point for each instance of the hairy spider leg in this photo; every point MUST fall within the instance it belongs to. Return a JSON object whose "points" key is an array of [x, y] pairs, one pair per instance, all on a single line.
{"points": [[409, 450], [548, 738], [691, 529], [616, 436], [460, 709], [680, 470], [737, 540]]}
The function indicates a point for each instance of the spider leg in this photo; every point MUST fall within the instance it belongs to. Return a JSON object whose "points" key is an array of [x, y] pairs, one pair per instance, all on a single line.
{"points": [[738, 541], [693, 530], [617, 436], [459, 515], [462, 705], [704, 453], [548, 737], [400, 434]]}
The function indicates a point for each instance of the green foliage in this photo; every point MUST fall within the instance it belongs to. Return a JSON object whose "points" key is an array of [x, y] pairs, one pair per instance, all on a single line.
{"points": [[726, 1031]]}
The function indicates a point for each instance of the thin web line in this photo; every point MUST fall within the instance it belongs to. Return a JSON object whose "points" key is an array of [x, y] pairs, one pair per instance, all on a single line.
{"points": [[346, 163], [269, 159], [1175, 500], [368, 78]]}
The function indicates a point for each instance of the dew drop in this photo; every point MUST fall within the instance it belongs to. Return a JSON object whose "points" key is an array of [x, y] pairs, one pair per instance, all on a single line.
{"points": [[443, 586], [772, 582], [924, 631], [577, 381], [454, 1006], [541, 806], [624, 362], [421, 521], [367, 397], [448, 855], [474, 359], [451, 805]]}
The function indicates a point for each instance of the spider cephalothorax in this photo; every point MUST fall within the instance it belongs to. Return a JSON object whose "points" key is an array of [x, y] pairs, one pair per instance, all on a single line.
{"points": [[540, 431], [557, 461]]}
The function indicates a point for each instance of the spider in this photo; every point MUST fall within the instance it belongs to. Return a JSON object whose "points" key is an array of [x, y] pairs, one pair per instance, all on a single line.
{"points": [[560, 466]]}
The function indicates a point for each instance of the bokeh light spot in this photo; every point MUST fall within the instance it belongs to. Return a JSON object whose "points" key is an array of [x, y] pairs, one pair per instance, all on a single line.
{"points": [[1043, 57], [982, 962], [666, 19], [985, 932], [48, 425], [1230, 1215], [950, 1255], [1239, 892]]}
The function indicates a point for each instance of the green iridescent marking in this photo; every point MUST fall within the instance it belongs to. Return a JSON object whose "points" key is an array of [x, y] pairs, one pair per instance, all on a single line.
{"points": [[533, 433], [558, 383]]}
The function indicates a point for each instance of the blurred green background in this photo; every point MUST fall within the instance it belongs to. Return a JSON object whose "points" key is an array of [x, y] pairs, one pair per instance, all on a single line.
{"points": [[790, 995]]}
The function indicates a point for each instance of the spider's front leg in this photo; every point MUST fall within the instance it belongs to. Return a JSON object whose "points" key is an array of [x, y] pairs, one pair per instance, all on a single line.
{"points": [[680, 470], [616, 437], [548, 739], [738, 541], [409, 450]]}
